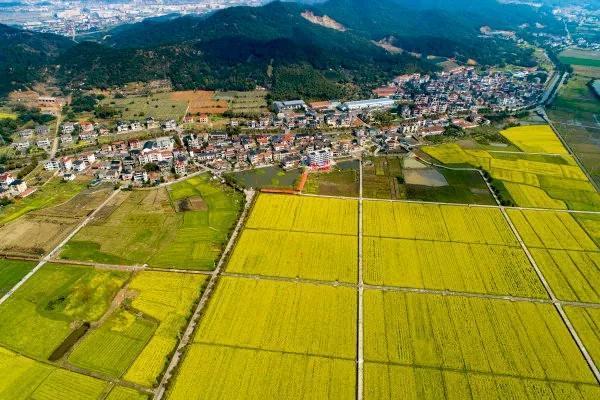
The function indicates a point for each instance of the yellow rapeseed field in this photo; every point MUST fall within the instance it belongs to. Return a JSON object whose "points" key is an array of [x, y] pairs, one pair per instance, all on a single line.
{"points": [[474, 268], [498, 337], [281, 316], [535, 139], [305, 214], [436, 222], [296, 254], [531, 196], [167, 297], [386, 381], [573, 275], [225, 373], [551, 230]]}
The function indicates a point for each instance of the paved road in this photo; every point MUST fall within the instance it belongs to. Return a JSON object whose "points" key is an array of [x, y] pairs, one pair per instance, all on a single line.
{"points": [[57, 249], [185, 339], [360, 361], [56, 136]]}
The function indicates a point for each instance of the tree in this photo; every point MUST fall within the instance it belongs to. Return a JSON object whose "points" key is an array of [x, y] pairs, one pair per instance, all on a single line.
{"points": [[151, 167]]}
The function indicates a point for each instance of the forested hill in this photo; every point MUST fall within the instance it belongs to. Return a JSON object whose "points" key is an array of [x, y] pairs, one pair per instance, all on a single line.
{"points": [[279, 47], [238, 48], [24, 54]]}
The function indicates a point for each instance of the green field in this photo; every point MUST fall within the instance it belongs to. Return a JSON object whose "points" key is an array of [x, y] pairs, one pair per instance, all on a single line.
{"points": [[144, 227], [342, 180], [12, 271], [382, 178], [268, 177], [160, 106], [251, 103], [462, 267], [53, 193], [298, 254], [123, 393], [24, 378], [113, 347], [586, 62], [496, 337], [136, 340], [40, 315], [466, 187]]}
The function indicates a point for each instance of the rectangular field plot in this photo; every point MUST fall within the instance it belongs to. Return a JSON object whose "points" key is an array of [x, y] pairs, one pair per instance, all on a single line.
{"points": [[551, 230], [24, 378], [572, 275], [123, 393], [12, 271], [185, 228], [499, 337], [436, 222], [305, 214], [42, 313], [296, 254], [39, 231], [463, 267], [136, 341], [587, 324], [384, 381], [535, 139], [224, 373], [282, 316]]}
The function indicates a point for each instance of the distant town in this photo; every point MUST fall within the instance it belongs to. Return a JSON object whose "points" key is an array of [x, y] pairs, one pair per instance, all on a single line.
{"points": [[70, 18]]}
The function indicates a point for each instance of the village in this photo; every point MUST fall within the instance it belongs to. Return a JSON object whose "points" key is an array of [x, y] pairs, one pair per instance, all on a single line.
{"points": [[294, 134]]}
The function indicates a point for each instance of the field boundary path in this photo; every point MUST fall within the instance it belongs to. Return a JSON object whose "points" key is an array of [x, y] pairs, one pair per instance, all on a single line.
{"points": [[360, 357], [55, 251], [190, 329]]}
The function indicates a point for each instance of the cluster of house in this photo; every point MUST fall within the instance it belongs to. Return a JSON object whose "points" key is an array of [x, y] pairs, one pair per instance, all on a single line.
{"points": [[72, 132], [11, 187], [464, 90], [125, 161], [28, 138], [289, 150]]}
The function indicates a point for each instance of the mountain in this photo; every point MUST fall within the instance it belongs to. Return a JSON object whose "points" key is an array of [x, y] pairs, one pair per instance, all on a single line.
{"points": [[238, 48], [25, 54], [315, 50]]}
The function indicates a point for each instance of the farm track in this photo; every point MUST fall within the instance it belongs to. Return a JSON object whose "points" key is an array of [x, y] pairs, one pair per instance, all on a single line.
{"points": [[190, 329], [360, 353]]}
